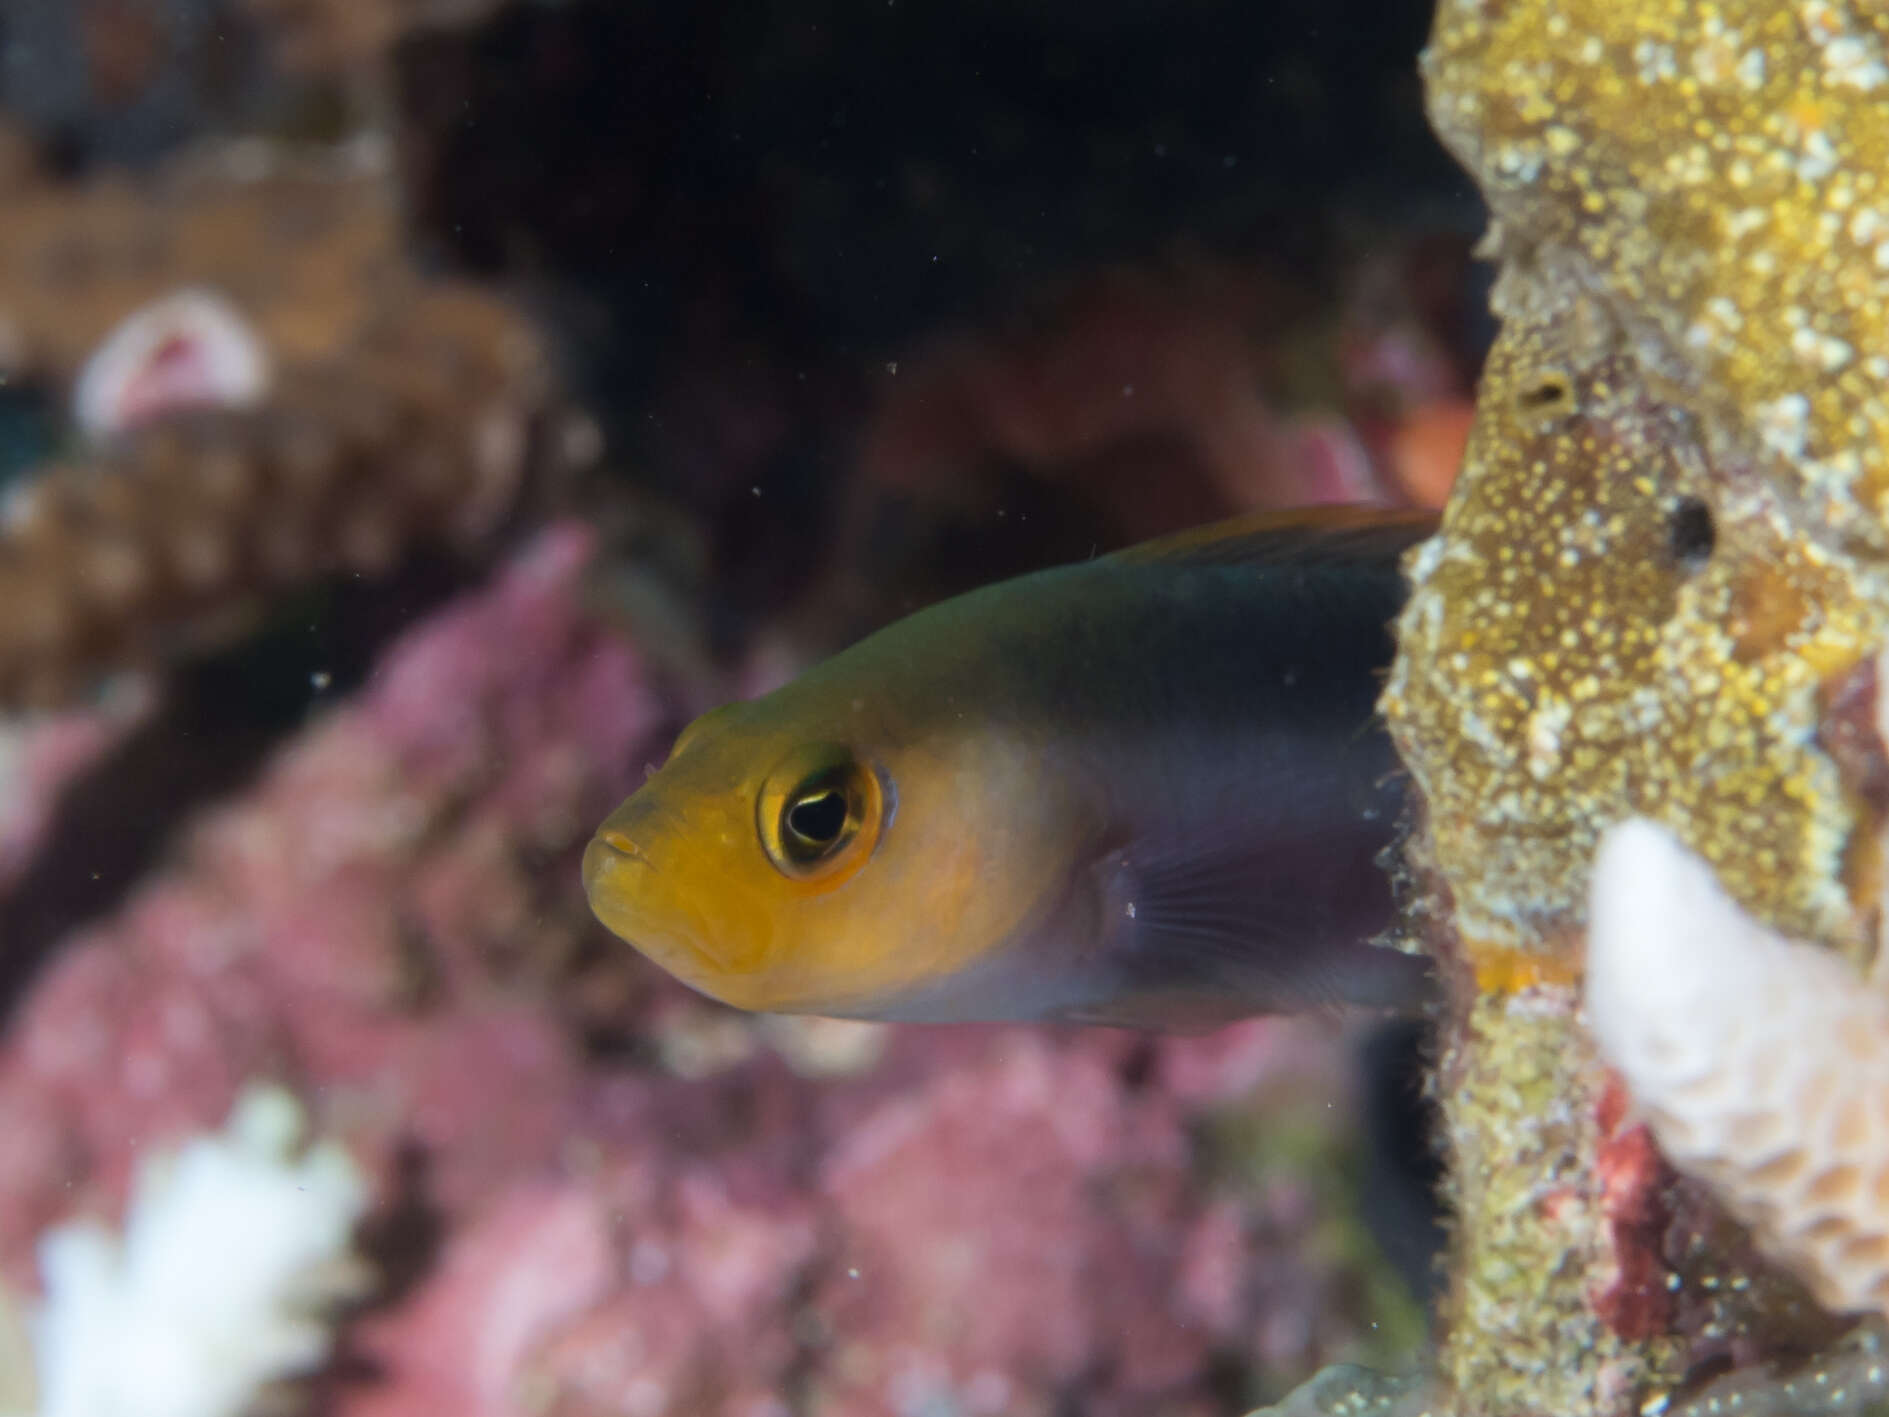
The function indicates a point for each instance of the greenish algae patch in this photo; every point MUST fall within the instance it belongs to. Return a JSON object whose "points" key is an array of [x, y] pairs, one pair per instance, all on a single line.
{"points": [[1306, 1148], [1522, 1329]]}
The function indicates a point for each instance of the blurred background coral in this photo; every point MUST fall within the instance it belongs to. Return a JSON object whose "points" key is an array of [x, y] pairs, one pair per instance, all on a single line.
{"points": [[410, 414]]}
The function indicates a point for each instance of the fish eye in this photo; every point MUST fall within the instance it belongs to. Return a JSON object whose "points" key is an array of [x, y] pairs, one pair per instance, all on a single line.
{"points": [[819, 813]]}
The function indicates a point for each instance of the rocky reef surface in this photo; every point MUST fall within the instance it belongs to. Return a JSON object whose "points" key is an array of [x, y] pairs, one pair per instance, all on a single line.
{"points": [[1659, 594], [345, 583]]}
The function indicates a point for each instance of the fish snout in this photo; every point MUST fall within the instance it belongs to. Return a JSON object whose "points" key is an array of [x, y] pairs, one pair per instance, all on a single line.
{"points": [[611, 862], [660, 915]]}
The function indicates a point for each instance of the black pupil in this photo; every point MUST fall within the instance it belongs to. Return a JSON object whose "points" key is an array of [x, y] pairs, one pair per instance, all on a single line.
{"points": [[818, 819]]}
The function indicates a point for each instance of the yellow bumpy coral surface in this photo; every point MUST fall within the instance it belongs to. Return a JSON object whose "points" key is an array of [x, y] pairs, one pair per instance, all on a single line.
{"points": [[1723, 172], [1631, 610]]}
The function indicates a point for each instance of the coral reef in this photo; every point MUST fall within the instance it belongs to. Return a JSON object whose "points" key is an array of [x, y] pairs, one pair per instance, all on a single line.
{"points": [[276, 396], [1657, 573], [425, 428], [591, 1193], [40, 755], [1752, 1056], [1133, 401], [305, 244]]}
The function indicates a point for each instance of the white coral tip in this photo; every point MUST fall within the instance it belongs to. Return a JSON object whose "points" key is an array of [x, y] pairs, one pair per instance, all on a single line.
{"points": [[1666, 950], [190, 349]]}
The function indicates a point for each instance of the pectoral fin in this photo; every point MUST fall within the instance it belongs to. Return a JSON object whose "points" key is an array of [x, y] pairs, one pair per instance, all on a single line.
{"points": [[1200, 936]]}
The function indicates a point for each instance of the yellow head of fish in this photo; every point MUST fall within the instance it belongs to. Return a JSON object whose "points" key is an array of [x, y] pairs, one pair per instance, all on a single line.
{"points": [[819, 852]]}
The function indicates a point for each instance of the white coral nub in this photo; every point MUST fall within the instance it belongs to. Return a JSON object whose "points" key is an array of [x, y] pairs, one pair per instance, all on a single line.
{"points": [[1761, 1063], [229, 1244], [192, 349]]}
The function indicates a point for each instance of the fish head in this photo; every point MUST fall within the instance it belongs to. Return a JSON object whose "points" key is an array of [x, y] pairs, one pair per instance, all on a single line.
{"points": [[786, 859]]}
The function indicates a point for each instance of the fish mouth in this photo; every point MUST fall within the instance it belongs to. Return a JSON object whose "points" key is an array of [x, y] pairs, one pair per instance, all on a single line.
{"points": [[611, 862], [616, 872], [609, 852]]}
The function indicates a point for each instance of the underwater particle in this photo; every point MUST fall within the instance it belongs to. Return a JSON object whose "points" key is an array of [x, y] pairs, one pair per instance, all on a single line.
{"points": [[191, 349], [234, 1246], [1761, 1063]]}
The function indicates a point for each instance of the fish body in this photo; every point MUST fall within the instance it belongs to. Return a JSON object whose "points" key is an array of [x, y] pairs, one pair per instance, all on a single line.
{"points": [[1146, 789]]}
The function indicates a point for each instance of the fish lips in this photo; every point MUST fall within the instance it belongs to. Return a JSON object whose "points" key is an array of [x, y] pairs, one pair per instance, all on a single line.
{"points": [[616, 874]]}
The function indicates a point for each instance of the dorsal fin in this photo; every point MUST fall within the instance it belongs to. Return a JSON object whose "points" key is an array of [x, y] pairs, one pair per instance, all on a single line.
{"points": [[1302, 535]]}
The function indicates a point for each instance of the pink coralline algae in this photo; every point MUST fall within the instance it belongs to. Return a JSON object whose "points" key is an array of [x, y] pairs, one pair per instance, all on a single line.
{"points": [[299, 931], [389, 922], [999, 1308], [39, 755]]}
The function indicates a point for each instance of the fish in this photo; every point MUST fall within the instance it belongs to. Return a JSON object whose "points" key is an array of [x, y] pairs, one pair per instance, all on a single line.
{"points": [[1148, 790]]}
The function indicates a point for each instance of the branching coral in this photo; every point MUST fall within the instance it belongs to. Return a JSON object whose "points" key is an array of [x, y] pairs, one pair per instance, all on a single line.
{"points": [[306, 246], [364, 410], [423, 429], [1760, 1061], [232, 1248]]}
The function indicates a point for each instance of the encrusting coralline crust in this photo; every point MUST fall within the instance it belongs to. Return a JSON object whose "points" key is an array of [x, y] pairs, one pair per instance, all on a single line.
{"points": [[1657, 589]]}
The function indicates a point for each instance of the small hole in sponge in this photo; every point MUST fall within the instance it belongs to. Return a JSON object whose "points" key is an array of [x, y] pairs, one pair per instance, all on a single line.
{"points": [[1691, 535], [1548, 399]]}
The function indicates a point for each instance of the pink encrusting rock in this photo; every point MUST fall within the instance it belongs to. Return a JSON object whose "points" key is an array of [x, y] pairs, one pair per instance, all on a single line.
{"points": [[290, 936], [535, 1259], [1051, 1205], [390, 922], [41, 753]]}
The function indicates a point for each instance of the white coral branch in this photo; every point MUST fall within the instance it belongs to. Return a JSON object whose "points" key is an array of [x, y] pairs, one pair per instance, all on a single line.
{"points": [[230, 1249], [1761, 1063]]}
